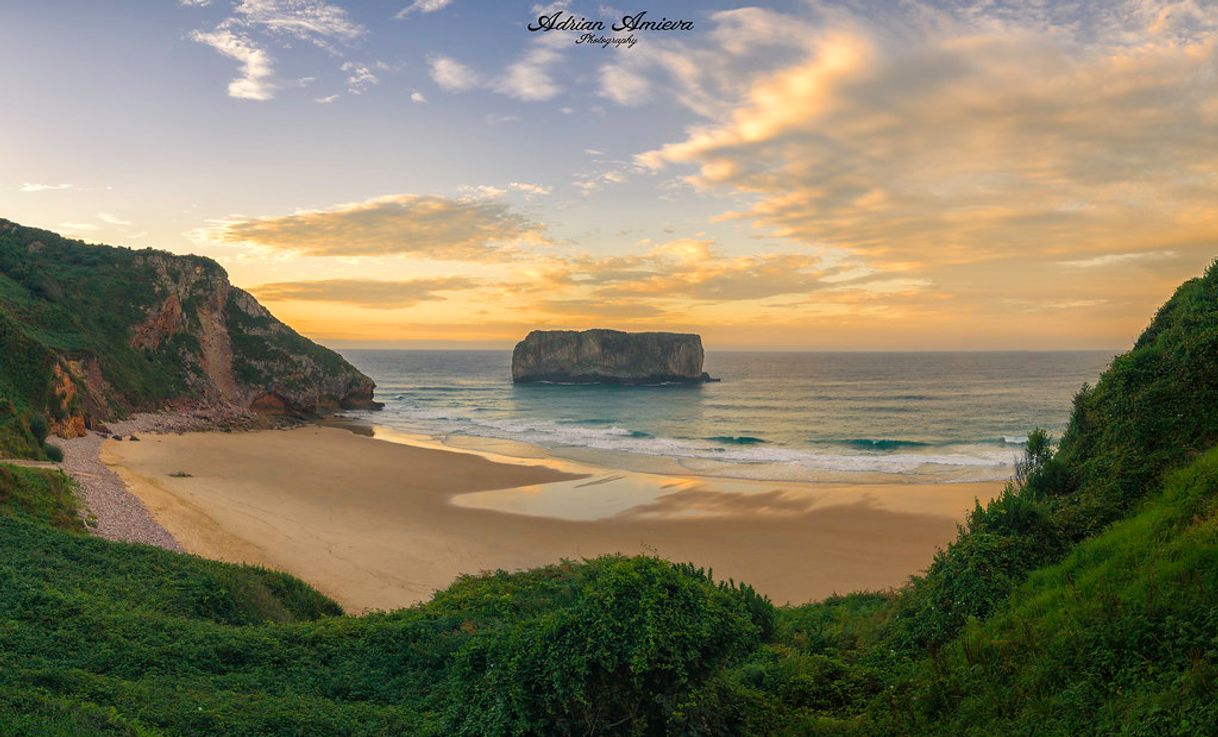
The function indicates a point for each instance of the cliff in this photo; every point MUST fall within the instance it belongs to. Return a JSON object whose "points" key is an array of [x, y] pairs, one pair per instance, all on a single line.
{"points": [[92, 332], [608, 357]]}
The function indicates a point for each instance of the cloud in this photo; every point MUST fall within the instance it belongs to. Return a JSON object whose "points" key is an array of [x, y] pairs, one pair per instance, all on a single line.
{"points": [[529, 78], [327, 99], [452, 75], [256, 24], [35, 187], [1110, 259], [423, 6], [80, 227], [488, 191], [315, 21], [926, 143], [418, 97], [599, 309], [710, 74], [491, 191], [359, 77], [257, 70], [694, 270], [530, 189], [404, 224], [109, 219], [371, 293], [623, 85]]}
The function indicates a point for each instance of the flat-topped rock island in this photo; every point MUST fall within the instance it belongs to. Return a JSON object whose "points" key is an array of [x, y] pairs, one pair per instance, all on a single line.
{"points": [[608, 357]]}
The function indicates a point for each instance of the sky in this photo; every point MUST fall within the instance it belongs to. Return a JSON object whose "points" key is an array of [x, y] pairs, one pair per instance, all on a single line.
{"points": [[788, 175]]}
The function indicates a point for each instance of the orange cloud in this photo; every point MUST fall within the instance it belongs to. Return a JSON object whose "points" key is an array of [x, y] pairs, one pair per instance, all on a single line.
{"points": [[418, 225], [370, 293]]}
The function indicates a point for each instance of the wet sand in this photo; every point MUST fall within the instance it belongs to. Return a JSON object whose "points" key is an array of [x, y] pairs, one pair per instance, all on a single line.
{"points": [[381, 525]]}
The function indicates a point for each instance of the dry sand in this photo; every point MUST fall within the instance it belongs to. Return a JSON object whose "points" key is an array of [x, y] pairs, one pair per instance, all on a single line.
{"points": [[372, 524]]}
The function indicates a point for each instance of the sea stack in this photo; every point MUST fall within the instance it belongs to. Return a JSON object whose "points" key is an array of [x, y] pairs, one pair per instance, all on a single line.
{"points": [[608, 357]]}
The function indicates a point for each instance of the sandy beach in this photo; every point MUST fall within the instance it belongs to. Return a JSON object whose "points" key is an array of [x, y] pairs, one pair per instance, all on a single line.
{"points": [[381, 525]]}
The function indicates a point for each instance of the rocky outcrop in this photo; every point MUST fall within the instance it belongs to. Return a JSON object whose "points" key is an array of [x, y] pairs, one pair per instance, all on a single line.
{"points": [[103, 332], [608, 357], [239, 353]]}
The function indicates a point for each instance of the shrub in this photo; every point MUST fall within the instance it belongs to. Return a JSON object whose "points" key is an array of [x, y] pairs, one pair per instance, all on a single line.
{"points": [[39, 428], [53, 452], [618, 658]]}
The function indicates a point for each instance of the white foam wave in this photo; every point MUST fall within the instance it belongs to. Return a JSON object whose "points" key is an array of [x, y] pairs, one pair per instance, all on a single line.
{"points": [[988, 461]]}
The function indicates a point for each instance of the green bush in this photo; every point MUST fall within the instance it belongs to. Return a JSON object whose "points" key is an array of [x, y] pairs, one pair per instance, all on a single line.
{"points": [[39, 428], [53, 452], [638, 635]]}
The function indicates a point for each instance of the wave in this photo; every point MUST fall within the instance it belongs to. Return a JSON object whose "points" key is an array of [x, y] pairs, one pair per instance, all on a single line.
{"points": [[768, 460], [737, 439], [1015, 439], [884, 443]]}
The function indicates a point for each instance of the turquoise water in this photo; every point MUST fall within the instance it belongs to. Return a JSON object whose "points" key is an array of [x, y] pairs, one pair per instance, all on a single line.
{"points": [[790, 416]]}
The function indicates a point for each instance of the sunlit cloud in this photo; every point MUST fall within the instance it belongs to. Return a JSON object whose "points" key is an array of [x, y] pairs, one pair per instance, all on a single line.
{"points": [[257, 70], [79, 227], [588, 311], [1025, 144], [110, 219], [695, 271], [36, 187], [369, 293], [405, 224], [1111, 259], [530, 189]]}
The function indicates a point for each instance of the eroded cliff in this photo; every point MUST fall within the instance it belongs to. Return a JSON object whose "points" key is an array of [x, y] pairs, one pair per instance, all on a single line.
{"points": [[90, 332]]}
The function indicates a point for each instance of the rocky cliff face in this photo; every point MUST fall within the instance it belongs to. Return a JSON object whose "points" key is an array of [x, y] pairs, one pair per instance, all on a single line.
{"points": [[608, 357], [92, 332]]}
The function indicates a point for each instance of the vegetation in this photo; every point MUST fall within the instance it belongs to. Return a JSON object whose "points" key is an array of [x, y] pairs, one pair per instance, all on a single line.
{"points": [[1080, 601], [70, 310]]}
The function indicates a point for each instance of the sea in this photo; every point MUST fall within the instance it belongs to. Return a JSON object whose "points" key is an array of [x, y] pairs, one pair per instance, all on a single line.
{"points": [[841, 417]]}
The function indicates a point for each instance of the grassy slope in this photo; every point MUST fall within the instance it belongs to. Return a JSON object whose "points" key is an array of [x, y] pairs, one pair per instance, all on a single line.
{"points": [[1119, 638]]}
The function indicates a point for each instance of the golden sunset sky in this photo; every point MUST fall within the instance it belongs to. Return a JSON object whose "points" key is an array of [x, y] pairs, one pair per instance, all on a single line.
{"points": [[794, 176]]}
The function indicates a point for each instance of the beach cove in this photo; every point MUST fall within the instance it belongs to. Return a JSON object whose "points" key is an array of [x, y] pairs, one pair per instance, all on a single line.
{"points": [[380, 524]]}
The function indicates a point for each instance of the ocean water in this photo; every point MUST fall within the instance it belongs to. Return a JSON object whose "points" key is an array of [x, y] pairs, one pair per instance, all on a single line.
{"points": [[775, 416]]}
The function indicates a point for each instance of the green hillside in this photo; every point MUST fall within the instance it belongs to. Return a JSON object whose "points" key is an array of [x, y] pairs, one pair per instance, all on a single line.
{"points": [[1083, 601], [91, 332]]}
